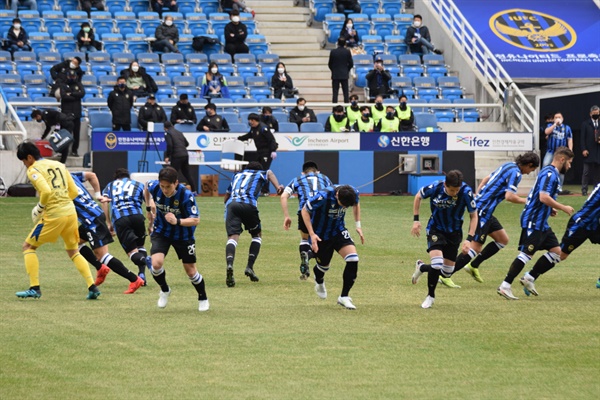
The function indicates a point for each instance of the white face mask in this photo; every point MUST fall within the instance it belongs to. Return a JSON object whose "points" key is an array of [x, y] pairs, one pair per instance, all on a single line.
{"points": [[417, 23], [135, 68], [214, 70], [168, 22], [301, 108], [349, 26], [235, 19], [72, 66], [17, 26], [281, 70]]}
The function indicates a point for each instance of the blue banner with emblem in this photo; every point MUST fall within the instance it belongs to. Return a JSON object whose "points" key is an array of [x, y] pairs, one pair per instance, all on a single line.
{"points": [[128, 141], [539, 39], [399, 141]]}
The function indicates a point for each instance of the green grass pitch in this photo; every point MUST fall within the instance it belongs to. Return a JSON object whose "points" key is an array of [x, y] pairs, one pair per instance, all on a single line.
{"points": [[276, 340]]}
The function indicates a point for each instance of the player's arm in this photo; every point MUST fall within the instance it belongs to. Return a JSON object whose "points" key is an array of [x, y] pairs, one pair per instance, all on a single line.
{"points": [[482, 183], [472, 227], [41, 185], [550, 202], [287, 221], [311, 232], [416, 228], [514, 198], [92, 178], [150, 209], [273, 179], [356, 213], [548, 131], [71, 187]]}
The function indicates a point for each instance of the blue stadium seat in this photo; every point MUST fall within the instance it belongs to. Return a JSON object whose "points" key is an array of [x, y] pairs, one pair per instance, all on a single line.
{"points": [[332, 25], [394, 44], [426, 87], [116, 6], [219, 103], [49, 58], [54, 21], [88, 80], [435, 66], [11, 84], [6, 64], [403, 21], [197, 24], [465, 114], [102, 22], [100, 119], [442, 114], [259, 87], [122, 60], [26, 62], [68, 5], [218, 22], [113, 42], [107, 81], [383, 24], [40, 42], [391, 6], [45, 5], [373, 44], [186, 7], [186, 84], [246, 65], [173, 63], [280, 116], [403, 84], [75, 19], [426, 122], [248, 20], [209, 6], [35, 83], [151, 62], [136, 43], [411, 65], [237, 127], [322, 117], [224, 62], [321, 8], [268, 63], [237, 87], [163, 82], [210, 49], [288, 127], [30, 20], [363, 63], [362, 24], [243, 108], [390, 63], [231, 117], [197, 63], [312, 127], [139, 6], [149, 21], [185, 44], [450, 86], [100, 63], [64, 42], [257, 44], [126, 22]]}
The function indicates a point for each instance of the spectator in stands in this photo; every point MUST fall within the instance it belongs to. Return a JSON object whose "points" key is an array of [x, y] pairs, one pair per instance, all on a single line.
{"points": [[86, 40], [59, 74], [377, 110], [183, 112], [87, 5], [282, 83], [177, 154], [340, 64], [301, 113], [14, 4], [71, 93], [405, 114], [338, 121], [349, 34], [389, 123], [167, 36], [558, 134], [269, 120], [17, 37], [353, 110], [365, 123], [238, 5], [151, 112], [378, 80], [161, 6], [418, 39], [235, 35], [590, 149], [212, 122], [52, 118], [120, 103], [214, 85], [348, 5], [138, 80]]}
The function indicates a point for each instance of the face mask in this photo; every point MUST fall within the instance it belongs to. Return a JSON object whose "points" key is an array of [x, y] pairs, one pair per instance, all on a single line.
{"points": [[595, 116], [338, 118], [72, 66], [281, 70], [235, 19], [214, 70], [379, 106], [417, 23], [365, 115], [266, 118], [558, 121], [349, 26], [301, 108], [122, 86], [135, 68], [208, 114], [17, 26], [402, 104], [389, 115], [353, 103], [168, 22], [86, 30]]}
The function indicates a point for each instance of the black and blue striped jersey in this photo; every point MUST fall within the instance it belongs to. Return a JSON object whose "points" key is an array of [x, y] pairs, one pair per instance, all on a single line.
{"points": [[245, 186], [588, 217], [447, 212], [306, 186], [127, 197], [535, 214], [559, 137], [87, 208], [504, 179], [326, 214], [182, 204]]}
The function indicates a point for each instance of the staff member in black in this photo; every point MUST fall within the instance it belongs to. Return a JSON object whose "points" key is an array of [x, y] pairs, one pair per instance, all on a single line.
{"points": [[151, 112], [212, 122], [340, 64], [266, 145], [177, 153], [52, 118], [71, 93], [120, 103]]}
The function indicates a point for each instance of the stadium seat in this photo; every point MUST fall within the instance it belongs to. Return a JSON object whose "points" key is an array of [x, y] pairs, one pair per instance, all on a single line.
{"points": [[243, 108], [75, 19], [186, 6], [237, 127], [197, 63], [151, 62], [332, 25], [100, 63], [426, 122], [373, 44], [363, 63], [280, 116], [223, 60], [383, 24], [68, 5], [237, 87], [209, 6], [54, 21], [26, 62], [435, 66], [102, 22], [321, 8], [403, 21], [369, 7], [245, 65], [231, 117], [173, 63], [186, 84], [217, 22], [30, 20], [126, 22], [149, 21], [394, 44], [122, 60], [248, 20], [116, 6], [403, 84], [465, 114], [100, 119], [259, 87], [48, 58], [11, 84], [45, 5], [442, 114], [257, 44], [35, 83], [139, 6], [163, 83], [197, 24], [210, 49], [113, 42], [322, 117], [411, 65], [136, 43], [288, 127], [312, 127], [6, 65], [219, 102], [391, 6], [40, 42], [390, 63], [185, 44], [64, 42], [450, 87], [268, 63], [426, 87]]}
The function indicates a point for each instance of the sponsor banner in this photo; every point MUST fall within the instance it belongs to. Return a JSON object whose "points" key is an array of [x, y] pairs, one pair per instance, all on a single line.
{"points": [[410, 141], [211, 141], [539, 39], [127, 141], [498, 141]]}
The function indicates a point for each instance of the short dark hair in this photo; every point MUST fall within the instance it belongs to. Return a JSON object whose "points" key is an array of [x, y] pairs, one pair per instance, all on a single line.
{"points": [[267, 109], [183, 96], [254, 116], [338, 108], [255, 165], [528, 158], [78, 59], [402, 96], [418, 16], [121, 173], [454, 178], [341, 42], [35, 113], [167, 124], [300, 99], [354, 97], [363, 108], [168, 174], [564, 151], [234, 12], [16, 20], [121, 77], [211, 106], [310, 165], [28, 148], [346, 195]]}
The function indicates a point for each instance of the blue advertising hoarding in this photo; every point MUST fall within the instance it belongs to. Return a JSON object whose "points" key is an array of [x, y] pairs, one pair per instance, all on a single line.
{"points": [[399, 141], [539, 39], [127, 141]]}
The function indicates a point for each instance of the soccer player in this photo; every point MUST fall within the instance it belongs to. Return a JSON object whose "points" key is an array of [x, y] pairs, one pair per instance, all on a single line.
{"points": [[93, 229], [173, 218], [493, 189], [54, 215], [448, 201], [305, 186], [127, 218], [583, 225], [536, 234], [323, 216], [240, 208]]}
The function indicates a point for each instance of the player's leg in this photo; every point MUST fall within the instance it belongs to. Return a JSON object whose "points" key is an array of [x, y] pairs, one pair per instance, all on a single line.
{"points": [[159, 250], [186, 251], [350, 256], [433, 274], [529, 243], [131, 232], [135, 282], [500, 237], [323, 259], [233, 226], [450, 249], [304, 249], [252, 223], [548, 260]]}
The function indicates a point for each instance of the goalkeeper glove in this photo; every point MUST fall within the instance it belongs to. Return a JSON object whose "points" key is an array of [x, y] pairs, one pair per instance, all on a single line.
{"points": [[36, 213]]}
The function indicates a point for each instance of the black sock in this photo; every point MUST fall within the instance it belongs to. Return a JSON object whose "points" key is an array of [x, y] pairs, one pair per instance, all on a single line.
{"points": [[432, 281], [542, 265], [117, 266], [200, 288], [143, 252], [90, 257], [253, 252], [319, 275], [462, 260], [161, 279], [230, 252], [425, 268], [487, 252], [39, 290], [139, 259], [350, 273], [304, 247], [515, 269]]}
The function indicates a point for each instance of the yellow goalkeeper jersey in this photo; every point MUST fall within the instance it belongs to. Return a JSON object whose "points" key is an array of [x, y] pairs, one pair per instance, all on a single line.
{"points": [[55, 186]]}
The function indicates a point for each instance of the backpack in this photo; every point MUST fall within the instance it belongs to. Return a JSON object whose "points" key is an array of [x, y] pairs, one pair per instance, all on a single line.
{"points": [[199, 41]]}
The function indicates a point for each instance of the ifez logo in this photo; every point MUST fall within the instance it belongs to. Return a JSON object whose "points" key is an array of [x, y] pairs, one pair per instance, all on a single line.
{"points": [[296, 141], [473, 141], [532, 30]]}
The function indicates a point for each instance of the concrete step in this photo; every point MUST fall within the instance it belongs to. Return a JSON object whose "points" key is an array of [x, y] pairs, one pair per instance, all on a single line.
{"points": [[317, 81], [302, 68], [271, 3], [305, 61], [277, 24], [292, 41], [283, 17], [300, 34], [268, 10], [320, 54], [276, 47]]}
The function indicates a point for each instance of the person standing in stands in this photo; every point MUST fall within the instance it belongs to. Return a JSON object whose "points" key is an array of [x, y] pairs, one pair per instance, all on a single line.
{"points": [[337, 121], [59, 74], [301, 113], [177, 153], [71, 93], [378, 79], [120, 103], [161, 6], [558, 135], [18, 40], [167, 36], [340, 64], [235, 35], [183, 112], [151, 112], [418, 39], [212, 122], [87, 5], [405, 114]]}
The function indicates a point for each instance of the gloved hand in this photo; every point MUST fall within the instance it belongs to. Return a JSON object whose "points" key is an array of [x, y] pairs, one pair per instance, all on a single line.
{"points": [[36, 213], [273, 155]]}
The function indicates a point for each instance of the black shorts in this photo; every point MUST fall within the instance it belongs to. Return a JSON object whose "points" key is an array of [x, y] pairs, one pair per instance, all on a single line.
{"points": [[96, 234], [537, 240], [242, 213], [301, 225], [185, 249], [326, 247], [447, 242], [572, 240], [131, 231], [481, 233]]}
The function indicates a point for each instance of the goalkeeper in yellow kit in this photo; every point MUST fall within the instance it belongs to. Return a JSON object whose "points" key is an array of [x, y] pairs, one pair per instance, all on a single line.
{"points": [[53, 216]]}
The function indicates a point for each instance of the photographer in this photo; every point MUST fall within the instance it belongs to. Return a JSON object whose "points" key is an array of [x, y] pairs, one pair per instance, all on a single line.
{"points": [[378, 80]]}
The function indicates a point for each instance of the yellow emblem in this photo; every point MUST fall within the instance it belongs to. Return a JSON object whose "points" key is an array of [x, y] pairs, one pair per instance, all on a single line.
{"points": [[110, 140]]}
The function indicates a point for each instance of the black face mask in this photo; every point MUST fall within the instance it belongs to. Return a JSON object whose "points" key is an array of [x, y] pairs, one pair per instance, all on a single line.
{"points": [[379, 106], [122, 85], [266, 118], [365, 116], [354, 104], [403, 106], [338, 118], [389, 115], [595, 116]]}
